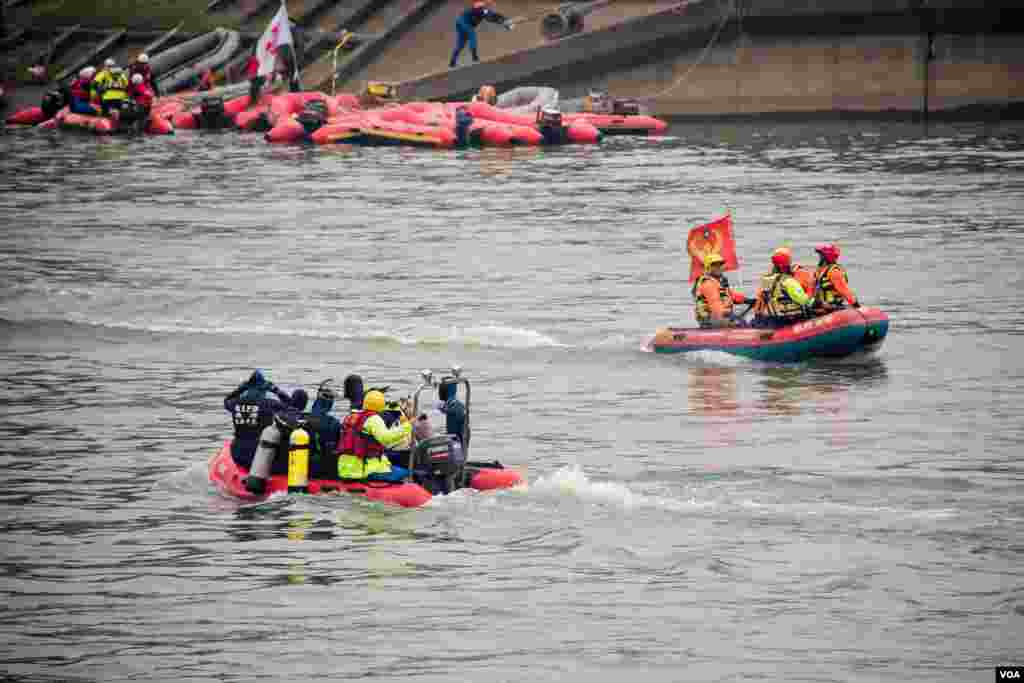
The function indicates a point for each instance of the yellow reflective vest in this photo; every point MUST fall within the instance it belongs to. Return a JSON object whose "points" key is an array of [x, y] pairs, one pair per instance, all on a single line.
{"points": [[351, 466]]}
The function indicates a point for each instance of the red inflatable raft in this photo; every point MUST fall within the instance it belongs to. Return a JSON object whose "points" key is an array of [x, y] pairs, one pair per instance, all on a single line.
{"points": [[228, 477], [613, 124]]}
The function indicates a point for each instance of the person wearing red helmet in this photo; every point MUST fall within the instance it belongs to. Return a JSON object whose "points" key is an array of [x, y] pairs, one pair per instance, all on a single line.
{"points": [[832, 291], [783, 299]]}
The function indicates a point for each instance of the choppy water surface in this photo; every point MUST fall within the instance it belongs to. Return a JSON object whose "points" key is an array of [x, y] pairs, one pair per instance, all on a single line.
{"points": [[698, 519]]}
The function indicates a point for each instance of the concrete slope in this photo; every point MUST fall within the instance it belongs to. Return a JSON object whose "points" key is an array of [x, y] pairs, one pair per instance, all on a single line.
{"points": [[426, 48], [742, 57]]}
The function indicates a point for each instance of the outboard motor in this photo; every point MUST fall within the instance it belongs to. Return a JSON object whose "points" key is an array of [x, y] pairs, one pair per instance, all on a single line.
{"points": [[439, 463], [211, 113], [625, 106], [313, 116], [463, 120], [53, 102], [549, 123], [132, 116]]}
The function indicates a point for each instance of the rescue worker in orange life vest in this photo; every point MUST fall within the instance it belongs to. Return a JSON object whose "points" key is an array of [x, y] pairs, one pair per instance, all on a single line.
{"points": [[364, 438], [831, 289], [713, 296], [782, 297]]}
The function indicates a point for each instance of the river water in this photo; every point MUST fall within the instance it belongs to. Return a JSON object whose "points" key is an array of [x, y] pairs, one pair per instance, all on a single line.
{"points": [[686, 518]]}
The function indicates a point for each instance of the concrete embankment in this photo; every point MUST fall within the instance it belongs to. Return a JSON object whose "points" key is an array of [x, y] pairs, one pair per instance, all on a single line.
{"points": [[773, 56]]}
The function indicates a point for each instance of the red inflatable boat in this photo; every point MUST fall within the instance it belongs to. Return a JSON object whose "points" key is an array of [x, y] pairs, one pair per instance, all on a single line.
{"points": [[436, 459]]}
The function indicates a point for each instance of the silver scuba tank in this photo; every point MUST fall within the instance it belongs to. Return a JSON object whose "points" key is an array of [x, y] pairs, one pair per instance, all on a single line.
{"points": [[263, 461]]}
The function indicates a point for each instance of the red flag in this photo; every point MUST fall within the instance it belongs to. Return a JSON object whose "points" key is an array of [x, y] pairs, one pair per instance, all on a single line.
{"points": [[715, 236]]}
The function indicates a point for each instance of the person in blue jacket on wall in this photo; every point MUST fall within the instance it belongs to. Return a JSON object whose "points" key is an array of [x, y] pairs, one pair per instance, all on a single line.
{"points": [[465, 28]]}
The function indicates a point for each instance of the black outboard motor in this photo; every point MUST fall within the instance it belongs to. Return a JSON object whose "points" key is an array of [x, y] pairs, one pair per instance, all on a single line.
{"points": [[53, 102], [463, 120], [625, 106], [211, 113], [549, 123], [132, 116], [439, 464], [313, 116]]}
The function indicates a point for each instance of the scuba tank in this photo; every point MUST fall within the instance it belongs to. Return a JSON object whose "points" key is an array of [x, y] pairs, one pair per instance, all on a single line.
{"points": [[263, 461], [298, 461]]}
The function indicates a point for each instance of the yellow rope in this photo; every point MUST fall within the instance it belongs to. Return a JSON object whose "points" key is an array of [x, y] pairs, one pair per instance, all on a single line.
{"points": [[707, 48]]}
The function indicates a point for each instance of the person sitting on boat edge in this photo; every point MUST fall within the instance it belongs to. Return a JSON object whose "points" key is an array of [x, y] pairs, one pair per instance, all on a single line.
{"points": [[782, 297], [832, 291], [363, 440], [251, 412], [81, 92], [714, 298], [272, 453]]}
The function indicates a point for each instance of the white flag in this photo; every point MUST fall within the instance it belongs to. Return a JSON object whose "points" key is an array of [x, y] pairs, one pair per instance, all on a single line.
{"points": [[278, 33]]}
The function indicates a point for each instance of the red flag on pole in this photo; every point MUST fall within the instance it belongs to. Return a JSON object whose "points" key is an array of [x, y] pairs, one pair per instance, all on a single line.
{"points": [[716, 237]]}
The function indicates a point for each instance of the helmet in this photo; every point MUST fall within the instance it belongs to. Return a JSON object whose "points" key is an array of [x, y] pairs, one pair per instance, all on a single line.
{"points": [[143, 58], [90, 71], [116, 70], [354, 388], [83, 73], [109, 62], [374, 401], [299, 399], [446, 390], [137, 78], [325, 392], [829, 252], [713, 258], [479, 4], [782, 258], [487, 94]]}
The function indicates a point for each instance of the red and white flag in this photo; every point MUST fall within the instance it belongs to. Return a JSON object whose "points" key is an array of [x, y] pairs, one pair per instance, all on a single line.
{"points": [[278, 34]]}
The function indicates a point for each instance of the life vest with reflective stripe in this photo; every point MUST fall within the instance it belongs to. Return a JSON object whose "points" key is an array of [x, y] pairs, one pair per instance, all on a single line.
{"points": [[361, 454], [825, 292], [779, 303], [703, 310]]}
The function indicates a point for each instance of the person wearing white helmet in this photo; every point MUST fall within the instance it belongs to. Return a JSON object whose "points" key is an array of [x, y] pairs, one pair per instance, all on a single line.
{"points": [[141, 66], [81, 92], [141, 93], [102, 77]]}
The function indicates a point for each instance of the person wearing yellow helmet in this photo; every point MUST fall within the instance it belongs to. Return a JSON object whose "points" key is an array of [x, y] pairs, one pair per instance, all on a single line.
{"points": [[713, 297], [364, 438]]}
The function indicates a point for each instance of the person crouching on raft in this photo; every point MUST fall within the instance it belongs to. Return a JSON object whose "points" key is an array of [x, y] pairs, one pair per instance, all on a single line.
{"points": [[364, 438], [114, 92], [831, 291], [81, 92], [465, 29], [782, 298], [714, 298]]}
